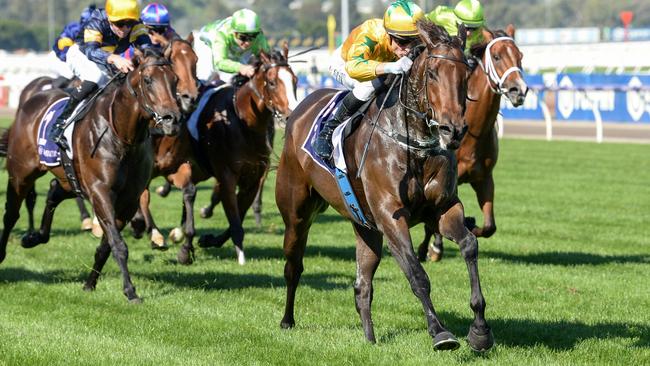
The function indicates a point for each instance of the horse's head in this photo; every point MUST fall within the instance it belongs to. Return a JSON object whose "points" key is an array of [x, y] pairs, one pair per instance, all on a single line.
{"points": [[276, 82], [183, 58], [441, 71], [153, 84], [502, 63]]}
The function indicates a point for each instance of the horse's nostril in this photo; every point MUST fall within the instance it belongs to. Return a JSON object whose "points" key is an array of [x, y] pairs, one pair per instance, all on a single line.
{"points": [[446, 130]]}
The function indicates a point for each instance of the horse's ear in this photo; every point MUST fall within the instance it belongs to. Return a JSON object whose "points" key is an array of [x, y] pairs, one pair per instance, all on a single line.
{"points": [[265, 58], [285, 50], [138, 56], [510, 30], [423, 34], [462, 35], [487, 35], [190, 38], [168, 52]]}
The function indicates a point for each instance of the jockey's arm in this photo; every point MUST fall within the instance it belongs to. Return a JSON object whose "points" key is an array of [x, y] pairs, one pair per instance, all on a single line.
{"points": [[359, 64], [220, 59]]}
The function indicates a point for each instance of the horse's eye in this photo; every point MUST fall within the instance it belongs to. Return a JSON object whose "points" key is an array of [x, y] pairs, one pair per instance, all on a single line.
{"points": [[496, 57], [148, 80], [431, 74], [272, 84]]}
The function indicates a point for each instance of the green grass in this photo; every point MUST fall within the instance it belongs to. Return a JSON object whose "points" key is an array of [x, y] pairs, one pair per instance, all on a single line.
{"points": [[565, 280]]}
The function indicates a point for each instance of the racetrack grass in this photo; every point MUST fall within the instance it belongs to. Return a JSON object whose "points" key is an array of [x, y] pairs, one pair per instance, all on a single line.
{"points": [[565, 280]]}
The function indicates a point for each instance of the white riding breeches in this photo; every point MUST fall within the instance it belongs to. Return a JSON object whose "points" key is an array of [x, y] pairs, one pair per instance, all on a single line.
{"points": [[58, 67], [362, 90], [204, 54], [85, 69]]}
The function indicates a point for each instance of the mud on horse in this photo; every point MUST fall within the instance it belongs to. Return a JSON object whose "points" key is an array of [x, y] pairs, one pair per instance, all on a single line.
{"points": [[233, 131], [411, 152], [499, 73], [112, 153]]}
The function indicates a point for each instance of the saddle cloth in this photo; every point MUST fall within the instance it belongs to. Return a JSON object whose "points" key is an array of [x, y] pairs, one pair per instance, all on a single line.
{"points": [[48, 151]]}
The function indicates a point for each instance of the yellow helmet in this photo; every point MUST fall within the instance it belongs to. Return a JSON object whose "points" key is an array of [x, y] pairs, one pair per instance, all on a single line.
{"points": [[122, 9], [400, 18]]}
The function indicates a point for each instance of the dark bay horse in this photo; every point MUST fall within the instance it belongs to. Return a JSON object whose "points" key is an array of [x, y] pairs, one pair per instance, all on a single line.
{"points": [[43, 83], [499, 73], [112, 157], [234, 137], [409, 177]]}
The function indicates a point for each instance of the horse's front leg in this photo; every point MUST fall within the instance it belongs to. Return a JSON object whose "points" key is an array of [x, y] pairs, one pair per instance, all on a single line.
{"points": [[368, 254], [427, 249], [55, 195], [183, 180], [452, 226], [157, 240], [105, 211], [485, 196], [398, 236]]}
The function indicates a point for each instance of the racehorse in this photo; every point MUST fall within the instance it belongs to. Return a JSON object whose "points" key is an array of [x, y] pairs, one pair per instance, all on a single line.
{"points": [[112, 157], [409, 177], [233, 130], [40, 84], [500, 73]]}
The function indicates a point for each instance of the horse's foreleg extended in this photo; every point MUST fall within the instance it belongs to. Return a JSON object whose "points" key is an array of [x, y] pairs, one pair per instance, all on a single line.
{"points": [[15, 197], [401, 246], [485, 196], [106, 214], [453, 227], [368, 257], [186, 253], [55, 195]]}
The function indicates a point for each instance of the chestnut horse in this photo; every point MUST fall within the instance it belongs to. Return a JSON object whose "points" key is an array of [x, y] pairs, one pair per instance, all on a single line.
{"points": [[499, 73], [112, 157], [409, 177], [233, 147]]}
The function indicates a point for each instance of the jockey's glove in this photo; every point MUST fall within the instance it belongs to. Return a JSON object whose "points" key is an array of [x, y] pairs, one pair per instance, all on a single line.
{"points": [[398, 67]]}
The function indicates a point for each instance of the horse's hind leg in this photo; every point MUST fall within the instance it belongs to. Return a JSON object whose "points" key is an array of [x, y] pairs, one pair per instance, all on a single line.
{"points": [[186, 253], [368, 258], [434, 250], [86, 221], [452, 226], [101, 255], [55, 195], [257, 206], [156, 238], [30, 203], [485, 196], [215, 198], [15, 197]]}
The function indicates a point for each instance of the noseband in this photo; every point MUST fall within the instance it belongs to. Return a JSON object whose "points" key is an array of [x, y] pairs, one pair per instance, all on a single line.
{"points": [[158, 119], [260, 96], [490, 70]]}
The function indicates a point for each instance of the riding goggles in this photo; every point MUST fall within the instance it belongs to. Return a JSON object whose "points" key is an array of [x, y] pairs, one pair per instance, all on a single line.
{"points": [[125, 23], [404, 41], [247, 37]]}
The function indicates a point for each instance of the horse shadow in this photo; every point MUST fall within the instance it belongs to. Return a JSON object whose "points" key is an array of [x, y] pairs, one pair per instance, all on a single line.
{"points": [[555, 335], [567, 258], [17, 274], [219, 281]]}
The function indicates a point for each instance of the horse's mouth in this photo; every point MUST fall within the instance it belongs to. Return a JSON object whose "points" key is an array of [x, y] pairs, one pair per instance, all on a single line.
{"points": [[517, 96], [450, 136]]}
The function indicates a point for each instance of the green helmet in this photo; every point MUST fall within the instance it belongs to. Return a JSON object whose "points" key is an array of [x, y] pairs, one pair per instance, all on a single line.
{"points": [[245, 21], [470, 13]]}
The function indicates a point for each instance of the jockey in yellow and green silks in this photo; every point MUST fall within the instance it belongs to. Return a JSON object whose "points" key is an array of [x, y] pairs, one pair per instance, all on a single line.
{"points": [[466, 12]]}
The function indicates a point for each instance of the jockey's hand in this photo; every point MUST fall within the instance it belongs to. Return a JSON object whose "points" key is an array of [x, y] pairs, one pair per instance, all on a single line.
{"points": [[247, 70], [120, 63], [400, 66]]}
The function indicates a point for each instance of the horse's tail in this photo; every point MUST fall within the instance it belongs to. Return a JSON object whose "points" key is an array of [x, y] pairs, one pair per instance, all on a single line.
{"points": [[4, 142]]}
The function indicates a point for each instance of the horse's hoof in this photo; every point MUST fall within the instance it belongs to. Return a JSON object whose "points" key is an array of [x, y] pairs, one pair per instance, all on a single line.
{"points": [[97, 229], [162, 191], [138, 228], [480, 342], [185, 256], [31, 239], [205, 212], [241, 258], [89, 287], [136, 300], [435, 254], [445, 341], [86, 224], [287, 324], [176, 235]]}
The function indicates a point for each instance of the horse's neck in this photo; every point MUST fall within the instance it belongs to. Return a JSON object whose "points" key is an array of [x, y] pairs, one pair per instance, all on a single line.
{"points": [[487, 103], [251, 109], [125, 118]]}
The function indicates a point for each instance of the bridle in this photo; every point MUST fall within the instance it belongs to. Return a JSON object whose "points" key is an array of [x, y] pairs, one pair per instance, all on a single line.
{"points": [[490, 70], [268, 101], [158, 119]]}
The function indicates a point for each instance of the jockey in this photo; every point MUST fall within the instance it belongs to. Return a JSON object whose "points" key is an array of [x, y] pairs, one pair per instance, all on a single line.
{"points": [[63, 42], [156, 17], [107, 34], [466, 12], [230, 43], [375, 48]]}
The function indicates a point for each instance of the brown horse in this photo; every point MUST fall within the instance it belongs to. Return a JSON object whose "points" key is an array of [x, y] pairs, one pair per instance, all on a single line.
{"points": [[409, 177], [41, 84], [500, 73], [112, 153], [233, 132]]}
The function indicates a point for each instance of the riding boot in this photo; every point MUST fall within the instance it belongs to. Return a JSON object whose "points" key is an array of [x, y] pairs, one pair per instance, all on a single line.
{"points": [[76, 96], [323, 144]]}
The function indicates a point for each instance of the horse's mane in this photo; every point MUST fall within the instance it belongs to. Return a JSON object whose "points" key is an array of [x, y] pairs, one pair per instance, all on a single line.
{"points": [[478, 50]]}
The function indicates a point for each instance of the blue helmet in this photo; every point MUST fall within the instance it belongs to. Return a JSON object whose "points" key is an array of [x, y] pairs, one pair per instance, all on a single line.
{"points": [[86, 14], [155, 14]]}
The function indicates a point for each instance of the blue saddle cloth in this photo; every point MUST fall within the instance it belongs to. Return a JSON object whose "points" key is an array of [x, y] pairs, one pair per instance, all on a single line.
{"points": [[48, 151]]}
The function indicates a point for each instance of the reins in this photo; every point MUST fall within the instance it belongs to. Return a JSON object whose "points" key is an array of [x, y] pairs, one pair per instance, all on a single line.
{"points": [[158, 119]]}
